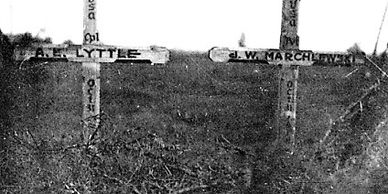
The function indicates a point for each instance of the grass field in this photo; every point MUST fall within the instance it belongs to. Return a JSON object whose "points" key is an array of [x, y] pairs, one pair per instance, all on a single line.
{"points": [[192, 126]]}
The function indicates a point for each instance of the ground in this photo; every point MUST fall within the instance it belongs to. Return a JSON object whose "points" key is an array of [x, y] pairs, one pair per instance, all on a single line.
{"points": [[191, 126]]}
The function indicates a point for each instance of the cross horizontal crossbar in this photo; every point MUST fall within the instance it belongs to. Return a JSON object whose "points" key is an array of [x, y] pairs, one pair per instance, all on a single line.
{"points": [[94, 53], [284, 57]]}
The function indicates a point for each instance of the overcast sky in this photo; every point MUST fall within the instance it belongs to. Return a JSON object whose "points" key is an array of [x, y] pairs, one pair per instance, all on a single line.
{"points": [[324, 25]]}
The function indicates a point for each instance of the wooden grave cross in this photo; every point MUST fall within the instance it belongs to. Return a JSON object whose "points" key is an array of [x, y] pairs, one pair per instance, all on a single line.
{"points": [[91, 53], [290, 58]]}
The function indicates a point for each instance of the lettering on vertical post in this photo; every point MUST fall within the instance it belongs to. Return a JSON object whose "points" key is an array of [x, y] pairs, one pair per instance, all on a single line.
{"points": [[290, 108], [90, 38], [90, 30], [91, 10], [91, 94], [293, 14], [289, 41], [289, 38], [90, 106]]}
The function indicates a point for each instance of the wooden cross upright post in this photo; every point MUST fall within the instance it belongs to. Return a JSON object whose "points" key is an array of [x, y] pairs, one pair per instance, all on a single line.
{"points": [[289, 40], [290, 58], [90, 71], [91, 53]]}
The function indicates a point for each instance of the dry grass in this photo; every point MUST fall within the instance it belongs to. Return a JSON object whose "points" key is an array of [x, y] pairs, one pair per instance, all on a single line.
{"points": [[192, 126]]}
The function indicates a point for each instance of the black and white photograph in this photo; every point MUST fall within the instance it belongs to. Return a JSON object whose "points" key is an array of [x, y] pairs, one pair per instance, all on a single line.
{"points": [[193, 96]]}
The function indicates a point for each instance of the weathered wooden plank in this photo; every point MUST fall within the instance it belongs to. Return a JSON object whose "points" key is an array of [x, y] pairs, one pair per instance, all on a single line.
{"points": [[91, 95], [94, 53], [90, 69], [288, 77], [284, 57]]}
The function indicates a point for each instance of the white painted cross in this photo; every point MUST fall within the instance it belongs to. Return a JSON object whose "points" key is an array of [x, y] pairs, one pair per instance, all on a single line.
{"points": [[91, 53], [290, 58]]}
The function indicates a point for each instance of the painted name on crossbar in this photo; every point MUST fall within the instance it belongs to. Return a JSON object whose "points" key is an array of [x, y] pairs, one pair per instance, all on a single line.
{"points": [[289, 57], [94, 53]]}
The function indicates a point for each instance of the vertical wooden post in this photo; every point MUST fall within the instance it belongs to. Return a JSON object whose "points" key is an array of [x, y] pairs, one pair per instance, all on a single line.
{"points": [[289, 40], [90, 72]]}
